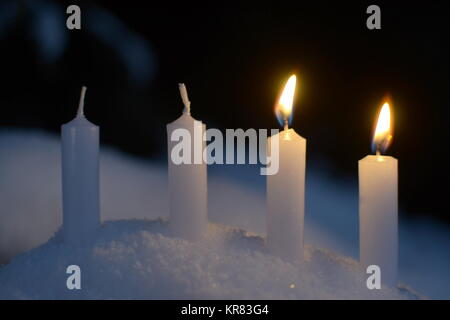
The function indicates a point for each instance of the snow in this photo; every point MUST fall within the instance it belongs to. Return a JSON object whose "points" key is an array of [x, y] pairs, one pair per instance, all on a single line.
{"points": [[137, 259], [133, 257]]}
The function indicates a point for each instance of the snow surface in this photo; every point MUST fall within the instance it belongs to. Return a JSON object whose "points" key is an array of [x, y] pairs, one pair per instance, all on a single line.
{"points": [[137, 259], [133, 257]]}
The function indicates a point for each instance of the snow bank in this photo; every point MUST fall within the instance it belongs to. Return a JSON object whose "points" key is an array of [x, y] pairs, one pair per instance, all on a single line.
{"points": [[30, 206], [138, 260]]}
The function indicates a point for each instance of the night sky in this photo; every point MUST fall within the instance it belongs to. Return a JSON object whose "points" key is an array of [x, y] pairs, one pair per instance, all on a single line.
{"points": [[234, 59]]}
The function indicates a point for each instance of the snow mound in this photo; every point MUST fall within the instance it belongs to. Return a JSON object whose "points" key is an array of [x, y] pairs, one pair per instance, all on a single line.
{"points": [[138, 259]]}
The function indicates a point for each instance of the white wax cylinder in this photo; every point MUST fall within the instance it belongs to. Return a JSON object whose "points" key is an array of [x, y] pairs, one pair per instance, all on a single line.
{"points": [[188, 183], [80, 179], [286, 197], [378, 217]]}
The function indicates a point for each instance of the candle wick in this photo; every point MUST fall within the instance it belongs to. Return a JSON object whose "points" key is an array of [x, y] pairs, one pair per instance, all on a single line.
{"points": [[184, 97], [286, 124], [81, 104]]}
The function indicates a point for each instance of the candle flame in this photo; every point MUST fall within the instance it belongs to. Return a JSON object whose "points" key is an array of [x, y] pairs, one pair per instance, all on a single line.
{"points": [[283, 109], [382, 137]]}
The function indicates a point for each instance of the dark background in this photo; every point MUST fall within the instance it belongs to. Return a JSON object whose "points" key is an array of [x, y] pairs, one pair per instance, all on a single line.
{"points": [[234, 59]]}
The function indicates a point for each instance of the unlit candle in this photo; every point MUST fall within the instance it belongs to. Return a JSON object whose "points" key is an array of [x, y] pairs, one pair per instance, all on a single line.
{"points": [[80, 177], [188, 217]]}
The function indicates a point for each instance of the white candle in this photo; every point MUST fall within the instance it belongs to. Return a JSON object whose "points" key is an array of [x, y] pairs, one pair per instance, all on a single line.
{"points": [[80, 177], [378, 217], [188, 181], [286, 189]]}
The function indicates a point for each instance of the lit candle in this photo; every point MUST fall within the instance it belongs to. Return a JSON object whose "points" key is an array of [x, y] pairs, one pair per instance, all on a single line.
{"points": [[187, 181], [286, 188], [378, 215], [80, 177]]}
